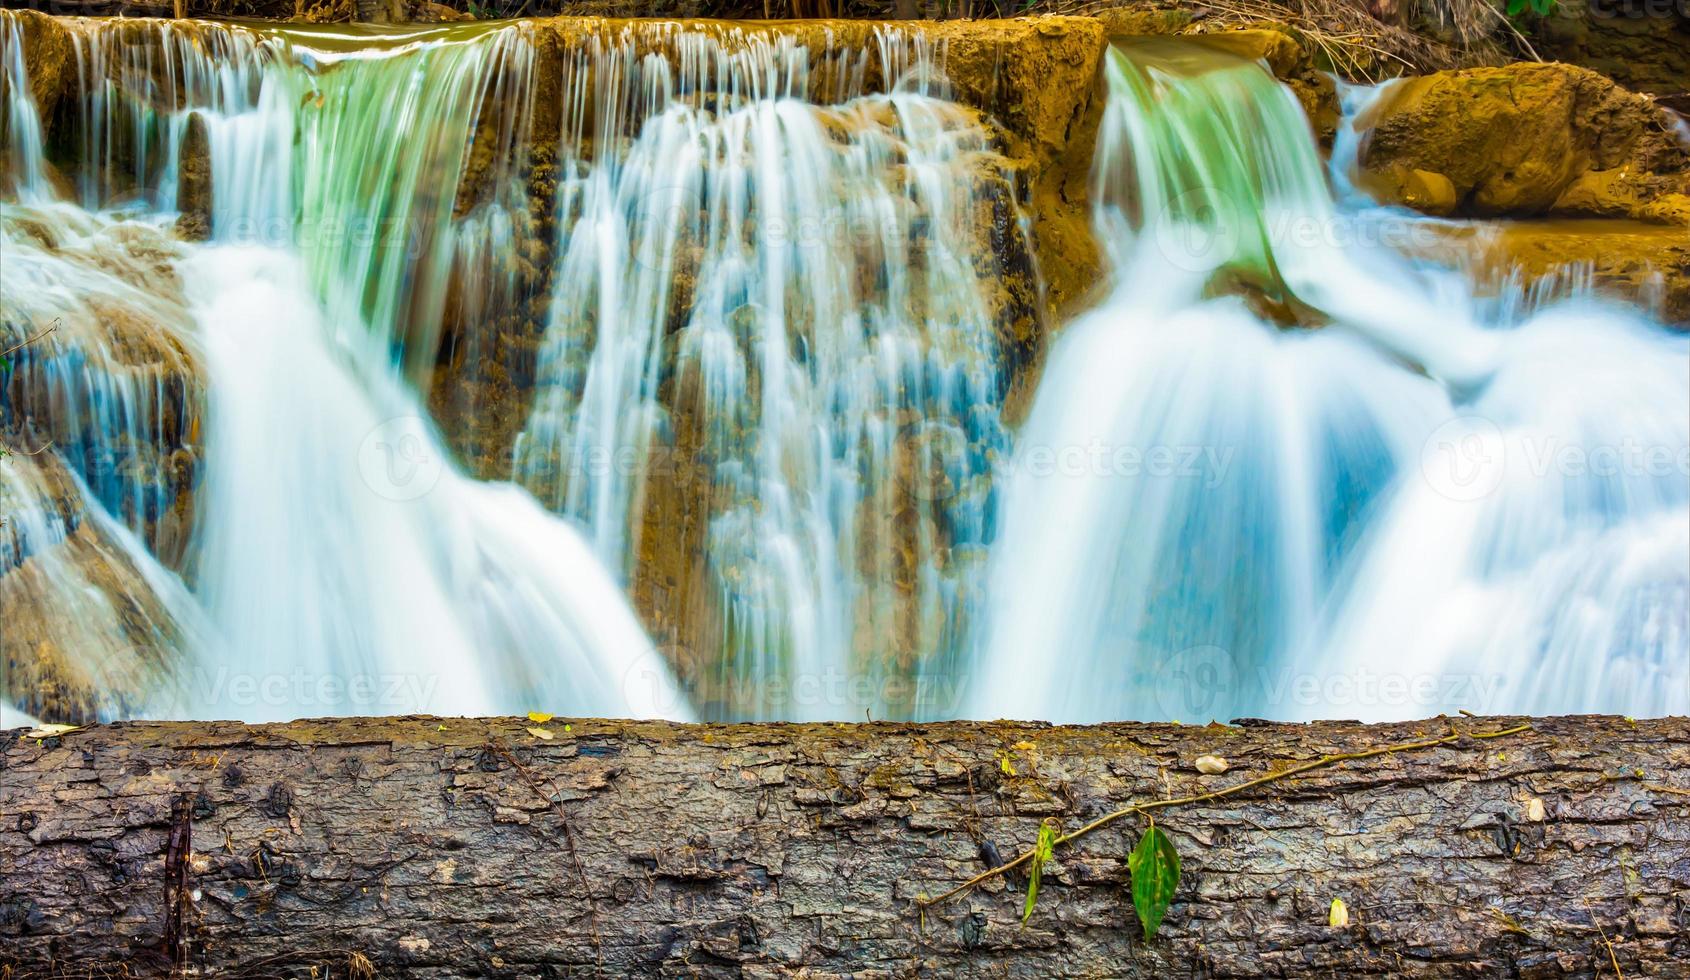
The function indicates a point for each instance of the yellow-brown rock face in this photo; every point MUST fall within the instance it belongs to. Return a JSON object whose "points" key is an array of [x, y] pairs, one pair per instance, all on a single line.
{"points": [[1528, 139]]}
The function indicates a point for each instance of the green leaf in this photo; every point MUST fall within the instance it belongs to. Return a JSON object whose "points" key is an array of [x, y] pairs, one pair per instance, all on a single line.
{"points": [[1041, 853], [1155, 871], [1515, 6]]}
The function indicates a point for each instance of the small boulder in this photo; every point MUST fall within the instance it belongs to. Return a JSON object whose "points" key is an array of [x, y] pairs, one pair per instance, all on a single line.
{"points": [[1523, 140], [1423, 190]]}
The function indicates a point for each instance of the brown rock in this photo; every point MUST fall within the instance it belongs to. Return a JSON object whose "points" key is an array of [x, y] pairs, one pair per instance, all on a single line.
{"points": [[425, 12], [1642, 44], [1527, 139], [47, 59], [80, 641], [1425, 190], [193, 183], [1645, 264]]}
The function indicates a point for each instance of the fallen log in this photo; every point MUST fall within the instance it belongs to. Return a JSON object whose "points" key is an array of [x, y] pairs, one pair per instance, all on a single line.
{"points": [[473, 847]]}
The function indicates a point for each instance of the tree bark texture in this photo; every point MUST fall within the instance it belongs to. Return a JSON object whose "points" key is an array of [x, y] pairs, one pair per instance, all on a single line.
{"points": [[432, 847]]}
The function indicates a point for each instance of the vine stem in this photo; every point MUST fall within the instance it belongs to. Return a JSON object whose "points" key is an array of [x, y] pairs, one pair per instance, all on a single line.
{"points": [[554, 799], [1145, 808], [30, 340]]}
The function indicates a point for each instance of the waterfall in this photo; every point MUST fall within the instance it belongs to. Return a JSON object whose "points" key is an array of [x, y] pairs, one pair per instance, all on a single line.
{"points": [[338, 561], [1413, 509], [25, 174], [773, 307], [664, 370]]}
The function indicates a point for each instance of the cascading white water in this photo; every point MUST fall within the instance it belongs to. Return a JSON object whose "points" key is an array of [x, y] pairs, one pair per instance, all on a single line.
{"points": [[797, 283], [25, 173], [766, 381], [1408, 511], [98, 408], [343, 563]]}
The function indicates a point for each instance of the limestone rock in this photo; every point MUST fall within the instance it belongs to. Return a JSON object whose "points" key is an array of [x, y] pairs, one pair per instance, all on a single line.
{"points": [[1642, 44], [193, 182], [427, 12], [1527, 139], [1423, 190], [1645, 264], [47, 58]]}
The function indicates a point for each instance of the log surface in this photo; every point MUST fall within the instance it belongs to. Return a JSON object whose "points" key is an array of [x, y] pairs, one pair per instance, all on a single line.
{"points": [[470, 847]]}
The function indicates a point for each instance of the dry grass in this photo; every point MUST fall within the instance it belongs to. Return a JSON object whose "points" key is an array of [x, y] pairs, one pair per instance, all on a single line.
{"points": [[1360, 39]]}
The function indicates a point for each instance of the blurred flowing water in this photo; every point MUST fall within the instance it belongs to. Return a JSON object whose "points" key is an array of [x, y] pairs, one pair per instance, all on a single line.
{"points": [[728, 312], [1433, 502], [337, 560], [783, 295]]}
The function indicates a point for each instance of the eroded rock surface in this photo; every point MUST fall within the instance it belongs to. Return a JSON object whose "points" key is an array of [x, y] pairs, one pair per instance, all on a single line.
{"points": [[1642, 44], [1528, 139], [1641, 264]]}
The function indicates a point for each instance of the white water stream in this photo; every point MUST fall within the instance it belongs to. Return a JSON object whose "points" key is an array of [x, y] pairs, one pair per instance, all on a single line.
{"points": [[770, 347], [1416, 509], [342, 564]]}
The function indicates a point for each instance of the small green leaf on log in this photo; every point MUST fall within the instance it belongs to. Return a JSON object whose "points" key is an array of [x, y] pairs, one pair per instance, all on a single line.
{"points": [[1339, 915], [1154, 865], [1041, 853]]}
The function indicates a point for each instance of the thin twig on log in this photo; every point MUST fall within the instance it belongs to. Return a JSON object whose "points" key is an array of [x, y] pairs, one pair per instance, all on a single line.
{"points": [[30, 340], [1320, 763], [554, 799]]}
